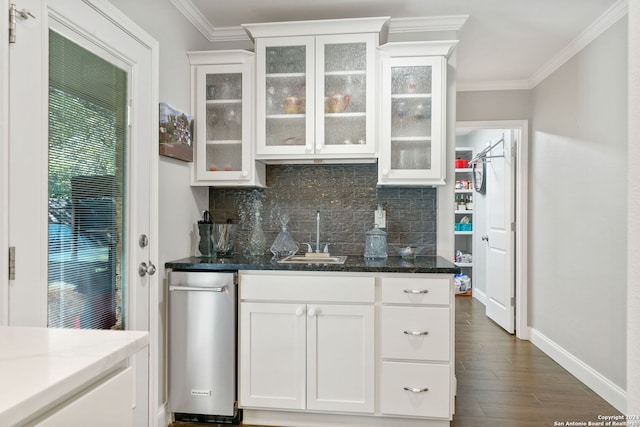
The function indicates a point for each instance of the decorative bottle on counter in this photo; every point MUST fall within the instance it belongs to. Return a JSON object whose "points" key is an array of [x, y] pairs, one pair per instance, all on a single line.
{"points": [[257, 239], [375, 245]]}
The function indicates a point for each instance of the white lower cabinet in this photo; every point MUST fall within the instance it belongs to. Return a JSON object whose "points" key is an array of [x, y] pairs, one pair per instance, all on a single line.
{"points": [[344, 348], [417, 340], [107, 403], [303, 354]]}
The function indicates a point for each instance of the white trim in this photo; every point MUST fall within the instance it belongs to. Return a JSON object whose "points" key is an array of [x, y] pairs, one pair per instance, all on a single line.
{"points": [[593, 31], [4, 163], [162, 416], [493, 85], [198, 20], [127, 25], [521, 127], [427, 23], [479, 295], [610, 392]]}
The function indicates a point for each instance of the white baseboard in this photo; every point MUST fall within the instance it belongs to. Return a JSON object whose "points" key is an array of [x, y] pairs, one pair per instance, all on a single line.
{"points": [[479, 295], [162, 419], [610, 392]]}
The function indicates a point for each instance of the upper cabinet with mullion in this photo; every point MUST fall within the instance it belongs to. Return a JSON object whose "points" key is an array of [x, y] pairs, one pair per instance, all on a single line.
{"points": [[413, 118], [316, 88]]}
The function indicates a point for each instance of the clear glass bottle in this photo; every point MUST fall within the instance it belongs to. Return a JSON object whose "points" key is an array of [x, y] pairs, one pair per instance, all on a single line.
{"points": [[284, 245], [257, 239], [375, 245]]}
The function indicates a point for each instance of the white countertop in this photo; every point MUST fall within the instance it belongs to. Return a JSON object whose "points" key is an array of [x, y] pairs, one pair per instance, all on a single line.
{"points": [[39, 366]]}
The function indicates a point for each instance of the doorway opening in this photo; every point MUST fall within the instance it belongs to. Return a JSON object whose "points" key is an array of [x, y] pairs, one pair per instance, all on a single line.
{"points": [[512, 200]]}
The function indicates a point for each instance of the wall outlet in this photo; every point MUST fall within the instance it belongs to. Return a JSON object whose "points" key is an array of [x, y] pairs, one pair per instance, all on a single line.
{"points": [[380, 218]]}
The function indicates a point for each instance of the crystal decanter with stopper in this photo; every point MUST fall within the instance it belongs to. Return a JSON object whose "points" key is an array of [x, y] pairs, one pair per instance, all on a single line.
{"points": [[257, 239], [284, 245]]}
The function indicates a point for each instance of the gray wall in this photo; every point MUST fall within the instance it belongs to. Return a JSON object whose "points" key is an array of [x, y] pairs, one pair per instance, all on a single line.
{"points": [[578, 194], [179, 205], [577, 200], [633, 232]]}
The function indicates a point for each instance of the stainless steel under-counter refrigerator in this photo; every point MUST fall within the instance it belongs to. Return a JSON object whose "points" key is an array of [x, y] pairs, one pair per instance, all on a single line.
{"points": [[202, 346]]}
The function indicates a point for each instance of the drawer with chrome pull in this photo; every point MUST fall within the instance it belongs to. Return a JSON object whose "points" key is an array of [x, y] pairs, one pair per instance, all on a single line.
{"points": [[415, 389], [415, 333], [420, 290]]}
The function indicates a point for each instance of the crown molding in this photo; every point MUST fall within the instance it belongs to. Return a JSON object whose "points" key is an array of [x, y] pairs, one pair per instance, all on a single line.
{"points": [[427, 23], [397, 25], [197, 19], [477, 86], [593, 31]]}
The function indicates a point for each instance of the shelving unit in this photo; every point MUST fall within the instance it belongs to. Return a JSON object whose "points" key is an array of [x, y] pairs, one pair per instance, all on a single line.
{"points": [[463, 238]]}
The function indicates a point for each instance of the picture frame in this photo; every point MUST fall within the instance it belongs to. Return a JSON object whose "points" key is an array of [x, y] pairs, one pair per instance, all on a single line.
{"points": [[176, 133]]}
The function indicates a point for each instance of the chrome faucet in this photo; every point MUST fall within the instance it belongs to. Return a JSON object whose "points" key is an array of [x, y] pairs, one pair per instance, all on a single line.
{"points": [[326, 247]]}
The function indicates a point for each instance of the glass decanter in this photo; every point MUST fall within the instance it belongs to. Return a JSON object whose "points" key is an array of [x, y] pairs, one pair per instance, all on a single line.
{"points": [[257, 239], [284, 245]]}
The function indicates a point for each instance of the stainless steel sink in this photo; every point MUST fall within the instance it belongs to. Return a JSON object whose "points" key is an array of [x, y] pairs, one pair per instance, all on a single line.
{"points": [[313, 259]]}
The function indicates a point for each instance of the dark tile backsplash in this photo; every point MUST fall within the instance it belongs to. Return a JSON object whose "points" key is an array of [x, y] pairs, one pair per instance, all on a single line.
{"points": [[345, 195]]}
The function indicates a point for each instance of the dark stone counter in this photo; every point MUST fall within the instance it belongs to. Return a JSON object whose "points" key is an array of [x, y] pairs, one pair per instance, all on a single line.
{"points": [[354, 263]]}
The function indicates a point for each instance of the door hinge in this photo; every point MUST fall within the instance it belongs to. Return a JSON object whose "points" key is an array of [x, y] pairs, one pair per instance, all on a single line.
{"points": [[514, 151], [12, 262], [513, 301], [513, 226], [14, 14]]}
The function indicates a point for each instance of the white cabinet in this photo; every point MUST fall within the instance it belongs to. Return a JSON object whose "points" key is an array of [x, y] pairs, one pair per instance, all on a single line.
{"points": [[413, 118], [417, 341], [106, 403], [223, 99], [298, 350], [316, 88]]}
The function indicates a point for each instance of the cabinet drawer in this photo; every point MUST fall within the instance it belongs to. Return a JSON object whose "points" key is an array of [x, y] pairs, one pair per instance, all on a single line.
{"points": [[416, 290], [415, 333], [414, 389], [327, 287]]}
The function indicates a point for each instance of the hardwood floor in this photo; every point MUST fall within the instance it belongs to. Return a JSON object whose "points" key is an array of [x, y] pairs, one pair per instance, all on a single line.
{"points": [[506, 382]]}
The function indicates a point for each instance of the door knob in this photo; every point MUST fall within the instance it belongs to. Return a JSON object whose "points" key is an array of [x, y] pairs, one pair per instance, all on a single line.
{"points": [[143, 269]]}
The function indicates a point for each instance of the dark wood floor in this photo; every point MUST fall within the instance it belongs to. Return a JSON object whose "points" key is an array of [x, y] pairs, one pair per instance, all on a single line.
{"points": [[506, 382]]}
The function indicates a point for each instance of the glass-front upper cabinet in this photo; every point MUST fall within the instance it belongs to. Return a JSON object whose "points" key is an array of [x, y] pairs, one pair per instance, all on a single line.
{"points": [[224, 119], [316, 88], [413, 135]]}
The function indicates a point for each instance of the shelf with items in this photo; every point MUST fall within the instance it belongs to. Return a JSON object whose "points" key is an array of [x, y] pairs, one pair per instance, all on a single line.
{"points": [[463, 211], [315, 89], [222, 83], [413, 113]]}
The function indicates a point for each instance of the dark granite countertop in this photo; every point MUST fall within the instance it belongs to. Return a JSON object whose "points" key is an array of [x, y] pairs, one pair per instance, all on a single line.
{"points": [[354, 263]]}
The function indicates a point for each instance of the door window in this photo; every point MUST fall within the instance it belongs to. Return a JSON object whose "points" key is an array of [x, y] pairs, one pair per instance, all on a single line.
{"points": [[87, 138]]}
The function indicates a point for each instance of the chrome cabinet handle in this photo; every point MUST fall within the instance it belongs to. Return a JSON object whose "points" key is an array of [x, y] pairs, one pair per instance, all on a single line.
{"points": [[416, 333], [196, 289], [416, 390], [416, 291]]}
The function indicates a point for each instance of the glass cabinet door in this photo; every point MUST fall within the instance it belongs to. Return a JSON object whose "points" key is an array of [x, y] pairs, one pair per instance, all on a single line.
{"points": [[285, 95], [222, 140], [347, 66], [413, 136]]}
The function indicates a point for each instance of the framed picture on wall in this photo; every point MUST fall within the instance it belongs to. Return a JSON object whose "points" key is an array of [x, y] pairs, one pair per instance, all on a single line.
{"points": [[176, 133]]}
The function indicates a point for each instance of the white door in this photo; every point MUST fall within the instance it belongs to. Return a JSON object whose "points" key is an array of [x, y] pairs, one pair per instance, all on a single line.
{"points": [[500, 173], [86, 24], [272, 355], [340, 380]]}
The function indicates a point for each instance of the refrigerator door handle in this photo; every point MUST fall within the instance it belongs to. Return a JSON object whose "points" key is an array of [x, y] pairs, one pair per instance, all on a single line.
{"points": [[197, 289]]}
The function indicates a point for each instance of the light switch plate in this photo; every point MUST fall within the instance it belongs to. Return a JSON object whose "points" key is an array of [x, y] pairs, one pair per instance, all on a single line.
{"points": [[380, 218]]}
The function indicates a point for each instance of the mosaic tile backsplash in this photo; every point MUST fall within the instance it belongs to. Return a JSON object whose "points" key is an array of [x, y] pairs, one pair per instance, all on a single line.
{"points": [[345, 195]]}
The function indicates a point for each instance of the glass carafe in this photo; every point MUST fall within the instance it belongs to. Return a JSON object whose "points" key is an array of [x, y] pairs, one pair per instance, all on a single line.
{"points": [[375, 245]]}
